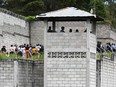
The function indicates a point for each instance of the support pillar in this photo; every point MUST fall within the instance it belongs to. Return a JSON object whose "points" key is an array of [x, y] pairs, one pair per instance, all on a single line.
{"points": [[53, 26], [15, 74], [45, 52]]}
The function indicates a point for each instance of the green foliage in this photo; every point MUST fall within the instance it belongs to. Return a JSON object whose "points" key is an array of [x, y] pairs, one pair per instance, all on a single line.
{"points": [[99, 56], [25, 7], [30, 18], [3, 56], [35, 7], [100, 9], [114, 23], [1, 2], [84, 4]]}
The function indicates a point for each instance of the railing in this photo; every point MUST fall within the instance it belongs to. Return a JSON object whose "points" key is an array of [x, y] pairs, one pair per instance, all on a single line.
{"points": [[105, 53]]}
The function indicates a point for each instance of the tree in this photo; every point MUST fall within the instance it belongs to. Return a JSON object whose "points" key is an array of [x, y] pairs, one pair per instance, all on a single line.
{"points": [[34, 8], [58, 4], [104, 8], [25, 7], [1, 2], [83, 4], [99, 7]]}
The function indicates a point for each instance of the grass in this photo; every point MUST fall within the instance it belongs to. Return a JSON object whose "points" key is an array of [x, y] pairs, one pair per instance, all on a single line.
{"points": [[14, 56], [3, 56], [107, 54]]}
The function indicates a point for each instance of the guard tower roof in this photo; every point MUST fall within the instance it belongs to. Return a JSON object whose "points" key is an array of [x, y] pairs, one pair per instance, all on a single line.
{"points": [[68, 14]]}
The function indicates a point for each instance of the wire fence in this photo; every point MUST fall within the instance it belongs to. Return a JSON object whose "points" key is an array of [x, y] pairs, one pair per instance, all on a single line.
{"points": [[105, 53]]}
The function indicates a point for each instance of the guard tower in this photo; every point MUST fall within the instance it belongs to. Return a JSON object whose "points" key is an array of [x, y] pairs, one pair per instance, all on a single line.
{"points": [[70, 57]]}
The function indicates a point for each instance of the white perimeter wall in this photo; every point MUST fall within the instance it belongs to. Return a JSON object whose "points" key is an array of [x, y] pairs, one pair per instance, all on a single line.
{"points": [[108, 72], [13, 30], [66, 63]]}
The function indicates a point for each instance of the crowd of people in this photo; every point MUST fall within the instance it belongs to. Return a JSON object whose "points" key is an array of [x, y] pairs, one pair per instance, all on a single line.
{"points": [[108, 47], [25, 50], [62, 30]]}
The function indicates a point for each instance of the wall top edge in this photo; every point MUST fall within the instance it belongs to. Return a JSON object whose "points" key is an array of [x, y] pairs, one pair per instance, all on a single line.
{"points": [[22, 60], [11, 13]]}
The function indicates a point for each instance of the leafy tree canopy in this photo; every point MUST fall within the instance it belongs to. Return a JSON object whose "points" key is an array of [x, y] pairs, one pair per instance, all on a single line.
{"points": [[103, 8]]}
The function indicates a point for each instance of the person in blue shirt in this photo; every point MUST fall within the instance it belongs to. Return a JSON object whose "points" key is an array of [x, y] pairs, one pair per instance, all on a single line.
{"points": [[62, 29]]}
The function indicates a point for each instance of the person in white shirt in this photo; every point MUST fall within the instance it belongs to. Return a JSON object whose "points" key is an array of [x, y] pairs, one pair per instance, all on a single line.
{"points": [[38, 47], [12, 49]]}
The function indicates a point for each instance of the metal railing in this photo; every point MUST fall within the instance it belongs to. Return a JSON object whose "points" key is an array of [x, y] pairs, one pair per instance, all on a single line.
{"points": [[105, 53]]}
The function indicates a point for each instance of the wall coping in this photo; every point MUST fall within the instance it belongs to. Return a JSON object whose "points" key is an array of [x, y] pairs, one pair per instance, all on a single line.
{"points": [[11, 13], [22, 60]]}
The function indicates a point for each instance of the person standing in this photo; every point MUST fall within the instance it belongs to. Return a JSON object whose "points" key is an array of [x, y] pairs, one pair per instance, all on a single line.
{"points": [[3, 49], [38, 47], [27, 51], [62, 29]]}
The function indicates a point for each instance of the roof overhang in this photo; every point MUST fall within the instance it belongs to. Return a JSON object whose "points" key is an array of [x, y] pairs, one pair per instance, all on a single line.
{"points": [[69, 18]]}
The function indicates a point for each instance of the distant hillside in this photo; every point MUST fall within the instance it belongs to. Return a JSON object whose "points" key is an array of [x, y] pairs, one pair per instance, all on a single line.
{"points": [[103, 8]]}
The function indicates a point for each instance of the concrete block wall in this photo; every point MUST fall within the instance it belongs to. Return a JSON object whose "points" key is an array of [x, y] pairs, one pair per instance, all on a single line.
{"points": [[66, 62], [6, 73], [13, 30], [37, 29], [30, 75], [104, 41], [64, 51], [21, 73], [1, 41], [93, 43], [92, 61], [37, 33], [108, 73], [10, 19], [92, 70], [105, 34], [38, 77], [115, 72], [66, 41], [113, 35], [66, 72], [103, 30], [81, 26]]}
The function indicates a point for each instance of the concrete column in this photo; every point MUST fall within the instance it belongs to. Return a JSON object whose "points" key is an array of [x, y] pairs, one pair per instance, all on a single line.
{"points": [[53, 25], [98, 81], [15, 74], [94, 27], [27, 76], [88, 53], [45, 52], [33, 76]]}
